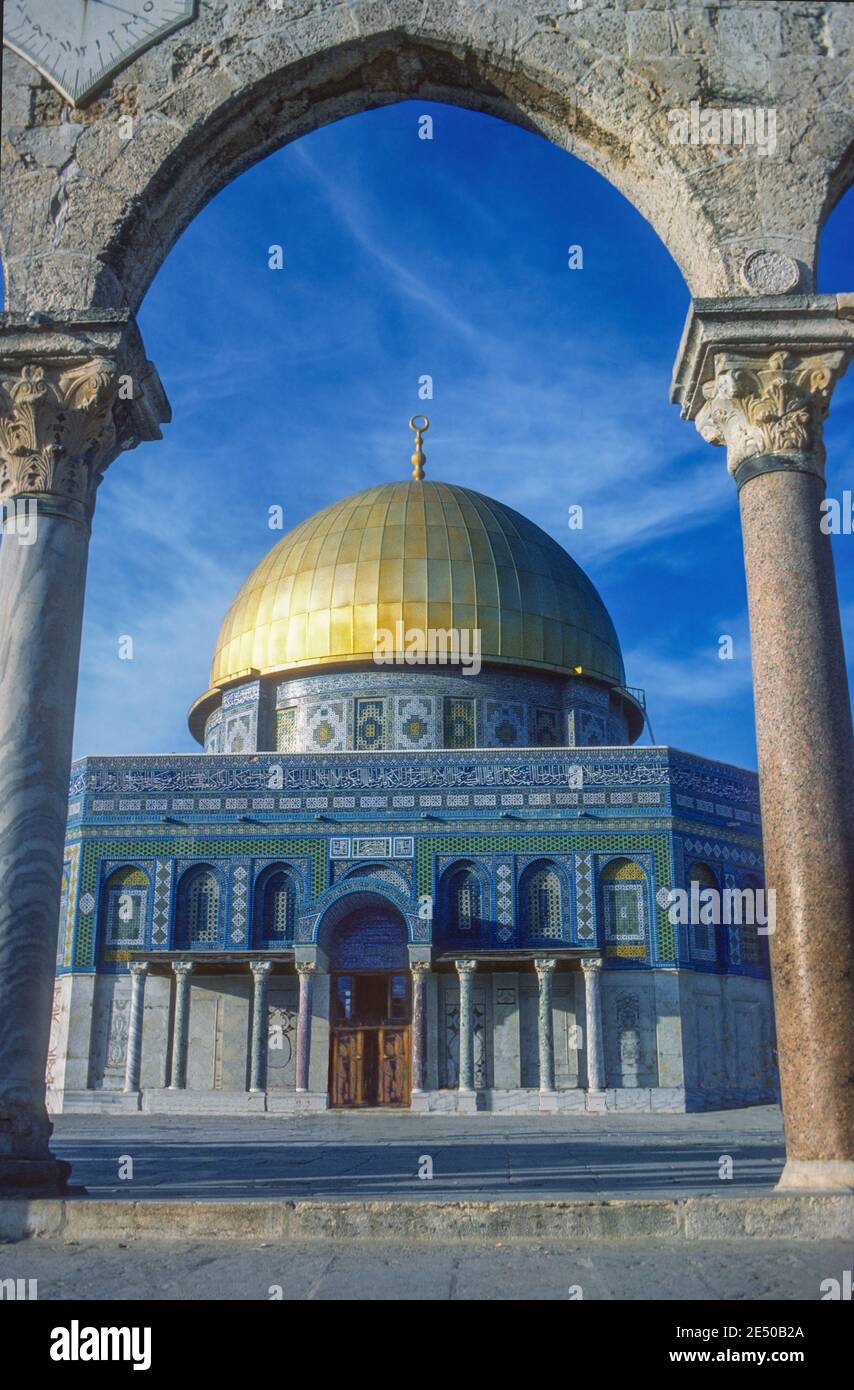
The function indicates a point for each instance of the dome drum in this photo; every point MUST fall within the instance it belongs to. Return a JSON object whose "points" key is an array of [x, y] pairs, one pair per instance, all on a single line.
{"points": [[369, 709]]}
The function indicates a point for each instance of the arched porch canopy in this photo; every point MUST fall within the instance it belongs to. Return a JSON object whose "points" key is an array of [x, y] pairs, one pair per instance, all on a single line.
{"points": [[363, 931]]}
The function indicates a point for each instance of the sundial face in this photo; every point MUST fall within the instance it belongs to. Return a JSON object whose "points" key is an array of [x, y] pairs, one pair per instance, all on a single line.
{"points": [[78, 44]]}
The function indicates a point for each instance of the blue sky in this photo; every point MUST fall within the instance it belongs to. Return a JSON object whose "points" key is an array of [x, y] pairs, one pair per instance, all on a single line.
{"points": [[402, 257]]}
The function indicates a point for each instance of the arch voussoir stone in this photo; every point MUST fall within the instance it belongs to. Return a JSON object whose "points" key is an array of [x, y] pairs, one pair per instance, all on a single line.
{"points": [[90, 212]]}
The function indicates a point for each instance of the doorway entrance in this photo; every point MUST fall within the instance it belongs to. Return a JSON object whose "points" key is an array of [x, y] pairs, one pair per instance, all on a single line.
{"points": [[370, 1052]]}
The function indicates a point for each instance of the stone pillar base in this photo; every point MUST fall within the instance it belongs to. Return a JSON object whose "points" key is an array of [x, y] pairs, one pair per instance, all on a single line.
{"points": [[817, 1175], [466, 1102], [597, 1101], [22, 1175], [549, 1102]]}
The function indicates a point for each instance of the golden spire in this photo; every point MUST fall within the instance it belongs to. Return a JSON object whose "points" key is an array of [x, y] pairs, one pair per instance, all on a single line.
{"points": [[419, 456]]}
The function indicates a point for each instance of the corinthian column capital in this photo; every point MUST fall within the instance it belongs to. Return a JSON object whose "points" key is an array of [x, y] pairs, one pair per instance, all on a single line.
{"points": [[769, 411], [74, 393], [756, 376], [57, 432]]}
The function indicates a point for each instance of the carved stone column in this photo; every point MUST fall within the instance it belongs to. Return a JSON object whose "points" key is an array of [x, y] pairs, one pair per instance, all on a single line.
{"points": [[306, 971], [258, 1058], [758, 381], [183, 969], [138, 971], [72, 396], [592, 967], [465, 970], [545, 1028], [420, 970]]}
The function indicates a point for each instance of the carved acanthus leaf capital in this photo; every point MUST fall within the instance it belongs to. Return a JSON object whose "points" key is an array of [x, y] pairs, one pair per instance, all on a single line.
{"points": [[772, 405], [57, 431], [545, 967]]}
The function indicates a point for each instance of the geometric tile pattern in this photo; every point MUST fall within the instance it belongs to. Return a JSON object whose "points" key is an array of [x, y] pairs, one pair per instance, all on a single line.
{"points": [[69, 897], [546, 727], [414, 723], [369, 724], [467, 845], [239, 903], [584, 911], [162, 897], [505, 724], [504, 899], [459, 730], [286, 730]]}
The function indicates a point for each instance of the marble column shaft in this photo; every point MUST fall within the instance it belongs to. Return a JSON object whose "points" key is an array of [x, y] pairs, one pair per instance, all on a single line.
{"points": [[306, 971], [545, 1027], [183, 969], [61, 425], [806, 767], [767, 408], [258, 1055], [465, 970], [420, 971], [138, 972], [595, 1048]]}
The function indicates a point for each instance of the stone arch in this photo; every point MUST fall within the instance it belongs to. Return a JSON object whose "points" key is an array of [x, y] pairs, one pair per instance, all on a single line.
{"points": [[454, 876], [200, 893], [752, 944], [125, 902], [275, 901], [364, 930], [543, 898], [706, 937], [221, 94], [624, 896]]}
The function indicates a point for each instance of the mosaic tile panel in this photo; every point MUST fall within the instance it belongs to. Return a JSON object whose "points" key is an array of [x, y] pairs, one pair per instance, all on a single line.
{"points": [[162, 900], [326, 726], [554, 844], [205, 850], [506, 725], [238, 926], [239, 732], [458, 718], [415, 723], [504, 900], [286, 730], [71, 875], [585, 912], [547, 727], [369, 726]]}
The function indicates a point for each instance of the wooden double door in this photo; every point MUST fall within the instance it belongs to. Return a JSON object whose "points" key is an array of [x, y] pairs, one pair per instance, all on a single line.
{"points": [[369, 1057]]}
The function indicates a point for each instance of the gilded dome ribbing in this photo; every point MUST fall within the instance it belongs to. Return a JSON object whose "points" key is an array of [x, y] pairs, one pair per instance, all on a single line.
{"points": [[432, 555]]}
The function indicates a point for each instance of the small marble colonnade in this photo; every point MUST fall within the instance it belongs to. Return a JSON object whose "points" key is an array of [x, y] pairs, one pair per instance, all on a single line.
{"points": [[261, 970], [182, 968], [545, 967]]}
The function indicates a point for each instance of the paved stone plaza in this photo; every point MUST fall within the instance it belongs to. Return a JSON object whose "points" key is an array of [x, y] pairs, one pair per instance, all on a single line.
{"points": [[726, 1271], [376, 1156]]}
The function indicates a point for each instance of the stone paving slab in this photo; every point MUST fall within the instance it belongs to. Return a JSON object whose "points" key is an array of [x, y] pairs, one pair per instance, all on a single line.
{"points": [[377, 1156], [364, 1270]]}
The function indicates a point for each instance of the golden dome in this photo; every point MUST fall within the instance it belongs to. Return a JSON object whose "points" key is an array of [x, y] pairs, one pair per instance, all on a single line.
{"points": [[429, 554]]}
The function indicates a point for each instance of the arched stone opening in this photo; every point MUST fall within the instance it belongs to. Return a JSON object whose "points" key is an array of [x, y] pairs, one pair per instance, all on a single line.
{"points": [[364, 937], [128, 200], [90, 214]]}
